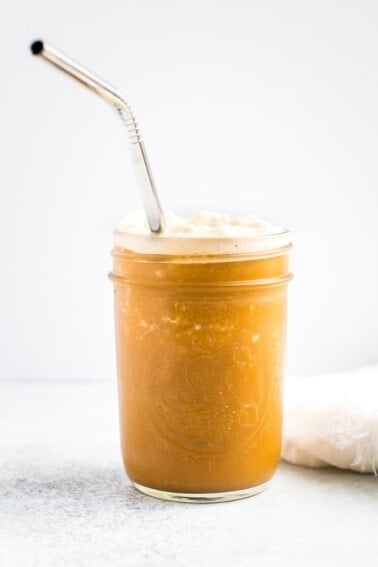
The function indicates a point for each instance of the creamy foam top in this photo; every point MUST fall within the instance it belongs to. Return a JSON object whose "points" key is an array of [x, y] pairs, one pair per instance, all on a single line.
{"points": [[202, 233]]}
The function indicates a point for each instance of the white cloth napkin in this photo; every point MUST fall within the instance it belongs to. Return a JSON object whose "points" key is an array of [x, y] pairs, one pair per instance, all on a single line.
{"points": [[332, 419]]}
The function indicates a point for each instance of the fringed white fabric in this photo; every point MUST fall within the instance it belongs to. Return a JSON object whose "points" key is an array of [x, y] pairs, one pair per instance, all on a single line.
{"points": [[332, 419]]}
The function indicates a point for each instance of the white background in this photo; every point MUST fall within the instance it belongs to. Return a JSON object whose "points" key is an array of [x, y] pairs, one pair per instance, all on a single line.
{"points": [[266, 107]]}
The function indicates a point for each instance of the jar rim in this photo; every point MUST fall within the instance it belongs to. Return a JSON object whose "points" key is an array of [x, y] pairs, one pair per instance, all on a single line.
{"points": [[160, 244]]}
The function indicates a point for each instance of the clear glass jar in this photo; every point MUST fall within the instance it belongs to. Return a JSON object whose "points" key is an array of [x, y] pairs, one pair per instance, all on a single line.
{"points": [[200, 350]]}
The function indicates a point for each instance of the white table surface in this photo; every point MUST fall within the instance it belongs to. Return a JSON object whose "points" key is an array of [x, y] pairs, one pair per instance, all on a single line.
{"points": [[65, 500]]}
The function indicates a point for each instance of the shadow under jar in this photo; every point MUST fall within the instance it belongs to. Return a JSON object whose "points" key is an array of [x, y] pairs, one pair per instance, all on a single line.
{"points": [[200, 352]]}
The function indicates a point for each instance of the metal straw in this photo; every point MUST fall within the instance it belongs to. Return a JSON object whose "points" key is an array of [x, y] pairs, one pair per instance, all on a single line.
{"points": [[154, 213]]}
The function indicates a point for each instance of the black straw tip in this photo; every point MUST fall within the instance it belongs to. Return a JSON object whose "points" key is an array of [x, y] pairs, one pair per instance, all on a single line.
{"points": [[36, 47]]}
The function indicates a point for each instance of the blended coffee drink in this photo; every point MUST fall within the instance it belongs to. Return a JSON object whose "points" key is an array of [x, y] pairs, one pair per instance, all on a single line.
{"points": [[200, 316]]}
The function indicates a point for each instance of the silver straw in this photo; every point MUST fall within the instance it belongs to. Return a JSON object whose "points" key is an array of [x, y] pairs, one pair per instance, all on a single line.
{"points": [[142, 170]]}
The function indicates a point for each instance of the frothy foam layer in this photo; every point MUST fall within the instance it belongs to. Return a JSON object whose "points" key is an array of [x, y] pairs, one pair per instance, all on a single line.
{"points": [[203, 233]]}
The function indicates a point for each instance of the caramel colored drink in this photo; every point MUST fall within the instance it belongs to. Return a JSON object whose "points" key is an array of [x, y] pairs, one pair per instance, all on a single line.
{"points": [[200, 348]]}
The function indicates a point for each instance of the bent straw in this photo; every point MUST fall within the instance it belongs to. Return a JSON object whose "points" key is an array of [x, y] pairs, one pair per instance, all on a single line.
{"points": [[107, 92]]}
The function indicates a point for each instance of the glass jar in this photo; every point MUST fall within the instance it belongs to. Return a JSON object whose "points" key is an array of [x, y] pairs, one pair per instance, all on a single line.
{"points": [[200, 350]]}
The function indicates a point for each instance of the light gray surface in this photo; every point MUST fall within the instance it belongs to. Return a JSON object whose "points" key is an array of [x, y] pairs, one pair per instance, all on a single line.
{"points": [[64, 499]]}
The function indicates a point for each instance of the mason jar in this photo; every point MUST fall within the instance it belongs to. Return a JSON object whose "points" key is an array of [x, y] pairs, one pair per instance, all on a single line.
{"points": [[200, 338]]}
